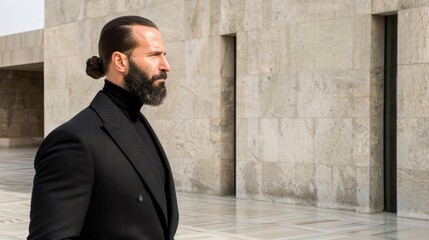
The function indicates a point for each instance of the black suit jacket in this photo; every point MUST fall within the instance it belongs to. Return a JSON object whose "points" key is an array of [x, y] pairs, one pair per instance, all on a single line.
{"points": [[94, 181]]}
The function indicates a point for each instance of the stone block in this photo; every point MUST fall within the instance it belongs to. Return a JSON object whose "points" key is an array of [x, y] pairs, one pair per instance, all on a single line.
{"points": [[413, 192], [187, 138], [22, 48], [262, 48], [229, 16], [319, 10], [363, 39], [384, 6], [241, 54], [333, 94], [361, 142], [376, 92], [200, 52], [248, 96], [324, 184], [314, 97], [125, 6], [278, 95], [248, 179], [376, 138], [407, 4], [171, 27], [413, 90], [65, 71], [98, 8], [63, 11], [345, 186], [241, 140], [369, 187], [198, 18], [412, 142], [413, 36], [208, 176], [255, 15], [333, 141], [284, 58], [377, 41], [302, 50], [57, 104], [263, 140], [67, 40], [296, 137], [289, 183], [4, 129], [334, 44]]}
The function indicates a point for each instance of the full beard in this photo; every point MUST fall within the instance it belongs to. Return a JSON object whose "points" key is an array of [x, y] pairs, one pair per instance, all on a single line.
{"points": [[145, 88]]}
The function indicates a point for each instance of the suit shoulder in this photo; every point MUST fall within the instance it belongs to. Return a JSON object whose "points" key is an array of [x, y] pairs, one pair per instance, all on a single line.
{"points": [[81, 123]]}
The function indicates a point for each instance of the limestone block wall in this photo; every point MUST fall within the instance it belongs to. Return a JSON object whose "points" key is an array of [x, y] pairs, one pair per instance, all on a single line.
{"points": [[21, 49], [21, 108], [309, 104], [309, 94], [194, 124], [413, 110]]}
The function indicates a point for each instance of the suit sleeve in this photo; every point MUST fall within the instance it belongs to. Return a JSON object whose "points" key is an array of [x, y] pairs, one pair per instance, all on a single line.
{"points": [[61, 188]]}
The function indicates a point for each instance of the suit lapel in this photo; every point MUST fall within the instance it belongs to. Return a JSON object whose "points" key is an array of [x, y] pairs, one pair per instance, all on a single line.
{"points": [[173, 210], [130, 143]]}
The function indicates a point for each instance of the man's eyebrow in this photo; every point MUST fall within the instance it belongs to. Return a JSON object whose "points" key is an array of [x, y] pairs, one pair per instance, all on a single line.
{"points": [[156, 52]]}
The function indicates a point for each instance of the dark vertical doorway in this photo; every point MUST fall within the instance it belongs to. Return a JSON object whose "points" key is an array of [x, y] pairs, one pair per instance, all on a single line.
{"points": [[228, 103], [390, 72]]}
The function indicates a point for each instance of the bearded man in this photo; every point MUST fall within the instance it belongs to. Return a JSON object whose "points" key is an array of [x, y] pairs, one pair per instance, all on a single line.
{"points": [[103, 174]]}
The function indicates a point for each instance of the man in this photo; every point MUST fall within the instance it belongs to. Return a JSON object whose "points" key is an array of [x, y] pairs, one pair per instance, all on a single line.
{"points": [[103, 174]]}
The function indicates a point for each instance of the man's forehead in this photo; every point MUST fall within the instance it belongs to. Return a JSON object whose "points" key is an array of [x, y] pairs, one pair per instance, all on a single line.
{"points": [[146, 33]]}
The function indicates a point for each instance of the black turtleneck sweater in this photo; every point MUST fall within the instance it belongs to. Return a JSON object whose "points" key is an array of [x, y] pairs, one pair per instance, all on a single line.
{"points": [[130, 107]]}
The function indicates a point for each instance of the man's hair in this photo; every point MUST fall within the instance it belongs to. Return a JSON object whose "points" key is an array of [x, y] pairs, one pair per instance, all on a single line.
{"points": [[116, 35]]}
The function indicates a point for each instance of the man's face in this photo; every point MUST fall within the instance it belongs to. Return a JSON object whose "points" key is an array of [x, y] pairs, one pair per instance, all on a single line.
{"points": [[146, 88], [148, 66]]}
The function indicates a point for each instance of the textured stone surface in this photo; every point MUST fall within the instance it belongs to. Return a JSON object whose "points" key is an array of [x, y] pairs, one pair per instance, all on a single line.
{"points": [[405, 4], [412, 98], [413, 92], [413, 36], [413, 191], [21, 108], [309, 94], [22, 48], [413, 139], [385, 6]]}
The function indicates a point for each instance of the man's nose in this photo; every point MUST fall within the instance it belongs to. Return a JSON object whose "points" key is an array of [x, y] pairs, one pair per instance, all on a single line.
{"points": [[164, 66]]}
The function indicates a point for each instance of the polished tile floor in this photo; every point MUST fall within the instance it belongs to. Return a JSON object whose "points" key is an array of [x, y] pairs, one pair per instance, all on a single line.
{"points": [[217, 218]]}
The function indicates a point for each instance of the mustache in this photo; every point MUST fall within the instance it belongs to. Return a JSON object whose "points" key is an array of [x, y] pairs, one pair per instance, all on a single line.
{"points": [[161, 75]]}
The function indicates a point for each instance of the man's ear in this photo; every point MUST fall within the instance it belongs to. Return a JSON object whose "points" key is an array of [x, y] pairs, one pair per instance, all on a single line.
{"points": [[120, 62]]}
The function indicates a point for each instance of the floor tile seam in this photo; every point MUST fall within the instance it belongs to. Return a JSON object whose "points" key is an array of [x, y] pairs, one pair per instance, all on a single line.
{"points": [[258, 222], [333, 231], [279, 226], [217, 233], [365, 236], [288, 226]]}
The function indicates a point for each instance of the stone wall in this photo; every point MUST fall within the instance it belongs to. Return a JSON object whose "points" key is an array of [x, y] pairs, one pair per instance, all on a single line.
{"points": [[309, 105], [309, 94], [21, 49], [21, 108], [413, 109]]}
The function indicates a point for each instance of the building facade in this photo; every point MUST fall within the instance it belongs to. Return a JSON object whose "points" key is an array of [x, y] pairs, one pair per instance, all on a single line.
{"points": [[279, 100]]}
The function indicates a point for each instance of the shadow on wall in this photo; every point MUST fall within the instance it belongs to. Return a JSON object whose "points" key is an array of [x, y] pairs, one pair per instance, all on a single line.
{"points": [[21, 108]]}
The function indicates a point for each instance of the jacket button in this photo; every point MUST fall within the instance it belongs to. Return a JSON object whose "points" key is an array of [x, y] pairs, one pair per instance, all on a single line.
{"points": [[140, 198]]}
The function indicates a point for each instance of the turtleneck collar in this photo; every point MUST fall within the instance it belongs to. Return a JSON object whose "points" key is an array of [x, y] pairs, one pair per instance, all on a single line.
{"points": [[123, 99]]}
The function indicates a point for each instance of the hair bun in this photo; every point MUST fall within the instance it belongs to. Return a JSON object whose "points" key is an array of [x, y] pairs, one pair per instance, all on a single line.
{"points": [[94, 67]]}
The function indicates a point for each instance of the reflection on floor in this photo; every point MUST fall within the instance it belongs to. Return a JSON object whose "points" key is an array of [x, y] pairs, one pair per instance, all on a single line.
{"points": [[217, 218]]}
